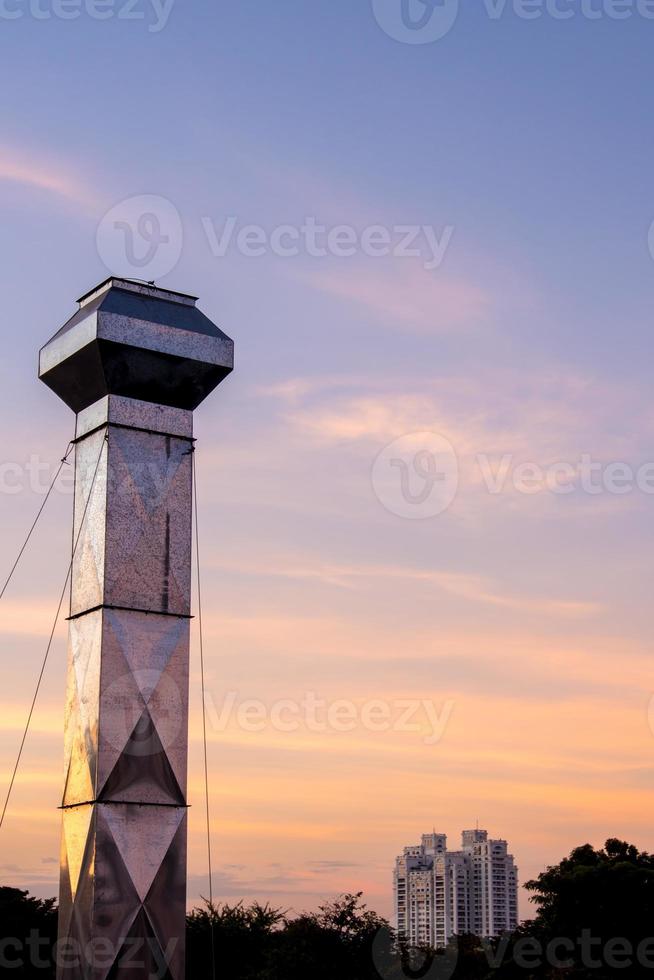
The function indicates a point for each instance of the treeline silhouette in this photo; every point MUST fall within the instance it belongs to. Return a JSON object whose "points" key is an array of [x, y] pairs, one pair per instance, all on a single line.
{"points": [[594, 919]]}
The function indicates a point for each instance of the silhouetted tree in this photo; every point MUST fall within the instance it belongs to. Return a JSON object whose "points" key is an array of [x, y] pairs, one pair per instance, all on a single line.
{"points": [[240, 937], [596, 912], [28, 930], [342, 939]]}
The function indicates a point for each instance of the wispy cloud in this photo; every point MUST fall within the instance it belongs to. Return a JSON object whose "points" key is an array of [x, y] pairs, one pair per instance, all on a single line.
{"points": [[47, 175], [542, 415], [405, 295], [474, 588]]}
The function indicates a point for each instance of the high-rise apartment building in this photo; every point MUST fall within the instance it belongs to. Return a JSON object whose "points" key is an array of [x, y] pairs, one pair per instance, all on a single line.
{"points": [[440, 893]]}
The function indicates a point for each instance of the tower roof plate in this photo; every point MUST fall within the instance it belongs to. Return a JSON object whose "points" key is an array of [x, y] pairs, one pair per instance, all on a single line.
{"points": [[139, 341]]}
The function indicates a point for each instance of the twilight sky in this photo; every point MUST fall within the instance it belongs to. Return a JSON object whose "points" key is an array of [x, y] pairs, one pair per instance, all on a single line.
{"points": [[521, 334]]}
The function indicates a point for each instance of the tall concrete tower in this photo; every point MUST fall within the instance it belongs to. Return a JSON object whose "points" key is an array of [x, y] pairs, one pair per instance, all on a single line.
{"points": [[132, 363]]}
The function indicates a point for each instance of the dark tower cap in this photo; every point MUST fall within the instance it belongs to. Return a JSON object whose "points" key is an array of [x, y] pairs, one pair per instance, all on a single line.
{"points": [[138, 341]]}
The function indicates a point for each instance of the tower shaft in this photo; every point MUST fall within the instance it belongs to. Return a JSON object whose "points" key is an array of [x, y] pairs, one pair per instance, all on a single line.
{"points": [[123, 862], [133, 363]]}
